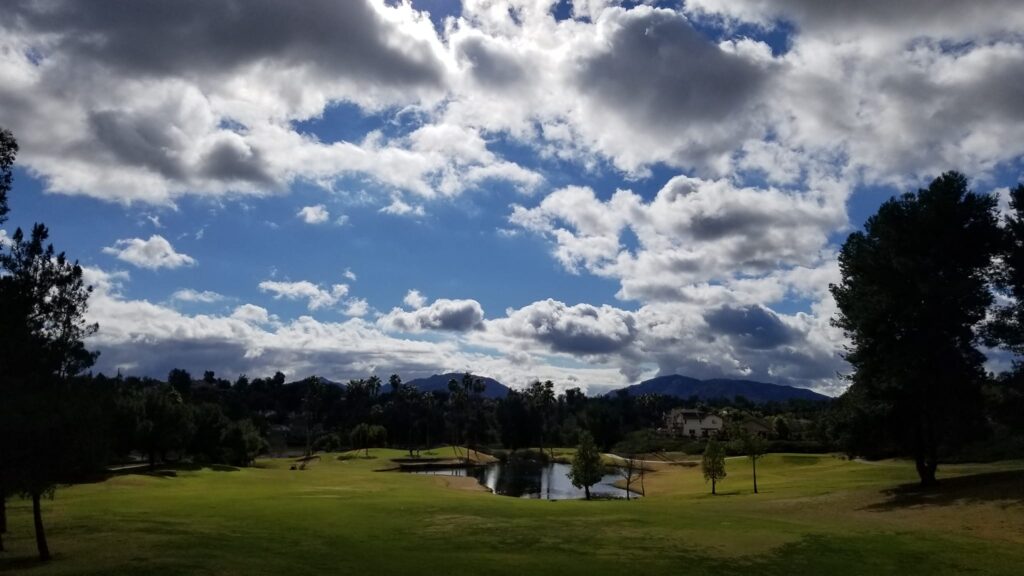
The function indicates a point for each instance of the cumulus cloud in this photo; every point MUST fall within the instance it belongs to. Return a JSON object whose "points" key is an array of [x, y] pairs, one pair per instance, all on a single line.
{"points": [[315, 296], [152, 254], [206, 96], [442, 314], [357, 307], [314, 214], [580, 329], [694, 231], [414, 299]]}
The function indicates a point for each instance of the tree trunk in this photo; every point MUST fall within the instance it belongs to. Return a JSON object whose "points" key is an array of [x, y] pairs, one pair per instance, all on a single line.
{"points": [[712, 485], [586, 489], [37, 516], [753, 463], [3, 520], [926, 470]]}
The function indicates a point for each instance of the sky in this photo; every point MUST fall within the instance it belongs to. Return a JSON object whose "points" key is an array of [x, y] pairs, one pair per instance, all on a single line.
{"points": [[592, 192]]}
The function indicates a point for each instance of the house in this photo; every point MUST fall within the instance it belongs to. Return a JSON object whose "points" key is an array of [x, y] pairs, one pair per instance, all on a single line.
{"points": [[756, 427], [692, 423]]}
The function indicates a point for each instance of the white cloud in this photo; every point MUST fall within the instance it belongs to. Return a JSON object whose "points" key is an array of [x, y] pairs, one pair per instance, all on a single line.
{"points": [[152, 254], [399, 208], [357, 307], [253, 314], [190, 295], [315, 296], [414, 299], [349, 275], [314, 214]]}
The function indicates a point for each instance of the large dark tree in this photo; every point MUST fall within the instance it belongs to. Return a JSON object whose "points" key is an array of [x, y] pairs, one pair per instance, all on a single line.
{"points": [[914, 288], [43, 299], [8, 151]]}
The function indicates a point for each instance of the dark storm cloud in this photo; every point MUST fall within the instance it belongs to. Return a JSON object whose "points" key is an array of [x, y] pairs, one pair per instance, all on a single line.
{"points": [[664, 74], [190, 37], [752, 327]]}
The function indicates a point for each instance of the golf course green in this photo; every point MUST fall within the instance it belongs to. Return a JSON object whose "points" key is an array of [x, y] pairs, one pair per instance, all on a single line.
{"points": [[815, 514]]}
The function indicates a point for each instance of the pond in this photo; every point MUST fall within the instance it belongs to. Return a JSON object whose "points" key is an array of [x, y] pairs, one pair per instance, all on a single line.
{"points": [[528, 479]]}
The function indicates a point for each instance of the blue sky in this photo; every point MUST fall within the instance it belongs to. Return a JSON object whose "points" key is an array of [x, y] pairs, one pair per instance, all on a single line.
{"points": [[575, 191]]}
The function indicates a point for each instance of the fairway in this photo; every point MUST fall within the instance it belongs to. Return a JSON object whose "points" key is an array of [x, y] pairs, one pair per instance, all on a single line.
{"points": [[815, 515]]}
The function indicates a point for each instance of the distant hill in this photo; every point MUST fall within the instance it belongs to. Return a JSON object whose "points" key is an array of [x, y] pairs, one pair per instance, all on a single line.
{"points": [[685, 387], [439, 382]]}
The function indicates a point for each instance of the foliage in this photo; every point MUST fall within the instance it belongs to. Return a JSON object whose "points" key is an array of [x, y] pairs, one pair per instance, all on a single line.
{"points": [[243, 443], [914, 286], [712, 464], [587, 469], [366, 436]]}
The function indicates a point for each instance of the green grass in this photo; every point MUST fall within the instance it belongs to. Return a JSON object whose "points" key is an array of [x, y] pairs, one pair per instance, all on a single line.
{"points": [[815, 515]]}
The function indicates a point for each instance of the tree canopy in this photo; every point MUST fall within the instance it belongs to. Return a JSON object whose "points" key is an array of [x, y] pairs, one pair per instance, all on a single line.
{"points": [[914, 287]]}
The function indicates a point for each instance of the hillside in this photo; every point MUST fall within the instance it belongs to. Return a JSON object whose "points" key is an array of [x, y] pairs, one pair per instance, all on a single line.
{"points": [[439, 382], [685, 387]]}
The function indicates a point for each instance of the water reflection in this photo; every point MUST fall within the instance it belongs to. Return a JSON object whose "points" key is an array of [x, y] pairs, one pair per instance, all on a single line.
{"points": [[526, 479]]}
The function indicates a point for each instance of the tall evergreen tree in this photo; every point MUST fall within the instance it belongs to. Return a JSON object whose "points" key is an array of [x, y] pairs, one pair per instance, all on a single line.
{"points": [[43, 300], [914, 287]]}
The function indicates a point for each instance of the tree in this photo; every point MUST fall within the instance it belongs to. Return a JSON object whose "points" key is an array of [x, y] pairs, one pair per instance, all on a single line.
{"points": [[712, 464], [586, 464], [1007, 325], [181, 381], [365, 436], [209, 428], [630, 466], [753, 446], [914, 287], [166, 424], [242, 443], [8, 151], [43, 300]]}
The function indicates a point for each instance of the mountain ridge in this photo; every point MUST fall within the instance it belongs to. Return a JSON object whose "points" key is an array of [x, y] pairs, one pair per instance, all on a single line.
{"points": [[721, 388], [439, 382]]}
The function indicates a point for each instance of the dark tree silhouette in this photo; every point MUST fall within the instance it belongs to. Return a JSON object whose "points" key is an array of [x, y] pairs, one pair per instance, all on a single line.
{"points": [[43, 299], [8, 151], [914, 286]]}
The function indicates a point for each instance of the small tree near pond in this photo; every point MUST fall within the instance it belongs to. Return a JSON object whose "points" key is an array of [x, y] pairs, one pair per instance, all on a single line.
{"points": [[713, 463], [586, 464]]}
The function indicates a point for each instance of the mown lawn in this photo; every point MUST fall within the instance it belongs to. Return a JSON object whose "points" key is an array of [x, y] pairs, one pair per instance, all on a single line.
{"points": [[815, 515]]}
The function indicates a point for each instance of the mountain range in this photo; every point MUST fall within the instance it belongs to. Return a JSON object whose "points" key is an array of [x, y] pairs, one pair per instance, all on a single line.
{"points": [[721, 388], [439, 382]]}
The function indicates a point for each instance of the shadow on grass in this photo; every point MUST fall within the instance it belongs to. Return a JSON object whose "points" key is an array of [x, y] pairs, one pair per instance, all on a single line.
{"points": [[20, 564], [1006, 486]]}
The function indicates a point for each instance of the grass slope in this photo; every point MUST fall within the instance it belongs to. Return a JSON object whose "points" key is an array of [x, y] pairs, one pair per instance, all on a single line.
{"points": [[815, 515]]}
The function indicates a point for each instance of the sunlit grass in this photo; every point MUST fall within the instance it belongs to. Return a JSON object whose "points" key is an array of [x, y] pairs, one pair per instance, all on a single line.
{"points": [[815, 515]]}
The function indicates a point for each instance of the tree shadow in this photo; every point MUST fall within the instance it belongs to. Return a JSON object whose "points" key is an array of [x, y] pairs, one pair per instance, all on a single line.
{"points": [[21, 564], [1006, 487]]}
